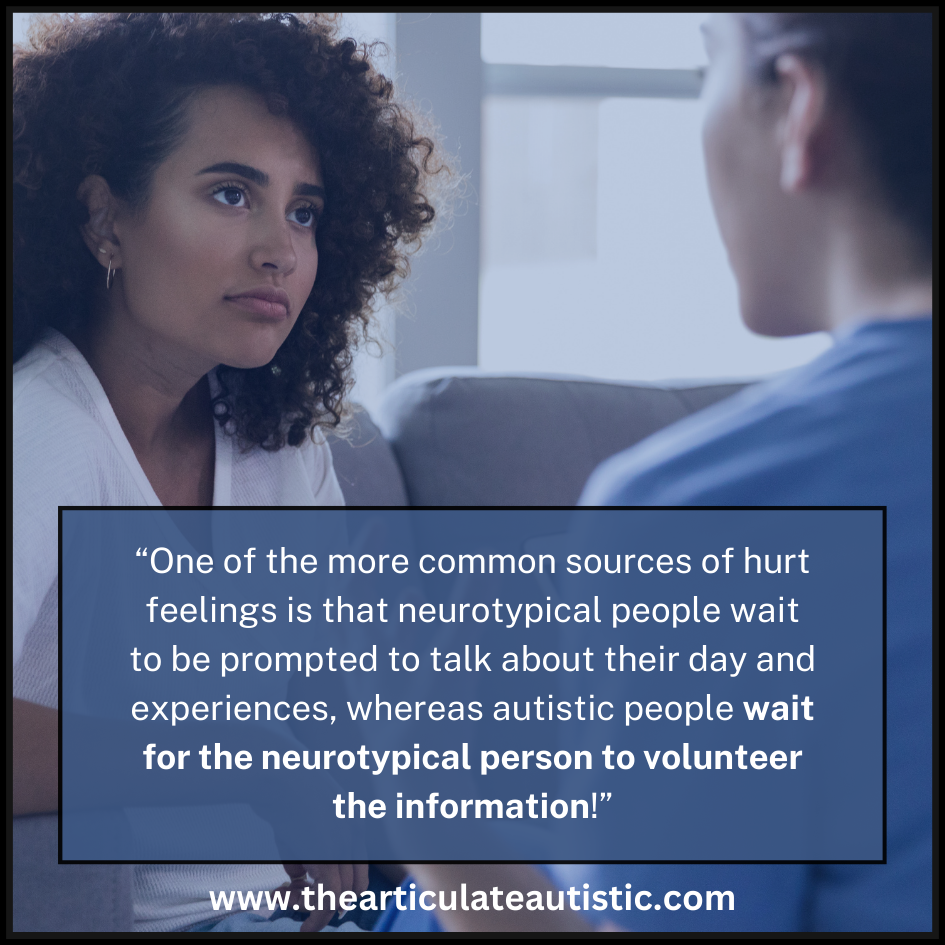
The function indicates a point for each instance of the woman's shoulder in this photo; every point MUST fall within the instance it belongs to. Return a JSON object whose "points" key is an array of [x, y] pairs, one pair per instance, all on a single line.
{"points": [[59, 440], [35, 369], [52, 398], [49, 380]]}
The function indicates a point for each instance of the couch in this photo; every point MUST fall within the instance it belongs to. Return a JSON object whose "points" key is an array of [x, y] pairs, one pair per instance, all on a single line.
{"points": [[458, 437]]}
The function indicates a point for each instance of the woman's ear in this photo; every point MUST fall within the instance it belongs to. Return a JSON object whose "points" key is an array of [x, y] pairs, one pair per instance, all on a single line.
{"points": [[801, 126], [99, 232]]}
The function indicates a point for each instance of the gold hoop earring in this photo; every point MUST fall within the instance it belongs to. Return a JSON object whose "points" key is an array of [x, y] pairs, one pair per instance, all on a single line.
{"points": [[109, 276]]}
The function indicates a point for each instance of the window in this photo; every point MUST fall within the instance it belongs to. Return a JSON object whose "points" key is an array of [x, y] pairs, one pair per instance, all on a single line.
{"points": [[600, 254], [636, 40]]}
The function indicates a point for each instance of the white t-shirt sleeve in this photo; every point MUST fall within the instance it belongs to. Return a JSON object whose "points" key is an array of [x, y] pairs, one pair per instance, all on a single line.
{"points": [[64, 453], [35, 553], [51, 467]]}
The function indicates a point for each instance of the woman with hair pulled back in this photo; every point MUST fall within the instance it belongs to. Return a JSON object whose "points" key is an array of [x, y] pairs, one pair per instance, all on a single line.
{"points": [[204, 207], [819, 147]]}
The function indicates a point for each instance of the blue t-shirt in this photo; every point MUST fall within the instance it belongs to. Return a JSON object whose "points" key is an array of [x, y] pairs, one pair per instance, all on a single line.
{"points": [[854, 427]]}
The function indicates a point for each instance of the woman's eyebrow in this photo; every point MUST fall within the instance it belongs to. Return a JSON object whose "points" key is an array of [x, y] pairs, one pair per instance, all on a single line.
{"points": [[310, 190], [244, 170], [260, 177]]}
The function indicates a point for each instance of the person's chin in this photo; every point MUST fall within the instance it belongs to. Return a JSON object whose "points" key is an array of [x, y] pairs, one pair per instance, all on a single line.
{"points": [[759, 325], [765, 314], [246, 364], [247, 360], [784, 327], [252, 352]]}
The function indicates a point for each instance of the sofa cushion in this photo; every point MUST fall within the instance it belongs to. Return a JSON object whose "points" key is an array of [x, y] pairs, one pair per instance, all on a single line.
{"points": [[469, 438]]}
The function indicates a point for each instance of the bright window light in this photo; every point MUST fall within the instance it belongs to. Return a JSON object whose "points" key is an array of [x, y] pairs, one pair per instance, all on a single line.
{"points": [[600, 251], [628, 40]]}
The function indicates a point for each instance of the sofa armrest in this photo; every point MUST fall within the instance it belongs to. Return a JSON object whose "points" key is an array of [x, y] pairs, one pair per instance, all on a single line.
{"points": [[49, 897]]}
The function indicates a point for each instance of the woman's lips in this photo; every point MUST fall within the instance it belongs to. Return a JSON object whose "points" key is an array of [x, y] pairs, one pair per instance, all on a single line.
{"points": [[267, 303]]}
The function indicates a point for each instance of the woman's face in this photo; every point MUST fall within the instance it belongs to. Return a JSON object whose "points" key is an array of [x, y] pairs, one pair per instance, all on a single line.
{"points": [[768, 229], [220, 261]]}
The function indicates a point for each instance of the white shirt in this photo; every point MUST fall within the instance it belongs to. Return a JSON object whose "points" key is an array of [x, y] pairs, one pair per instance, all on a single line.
{"points": [[69, 449]]}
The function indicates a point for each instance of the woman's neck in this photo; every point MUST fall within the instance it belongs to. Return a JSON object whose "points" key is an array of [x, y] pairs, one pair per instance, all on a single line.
{"points": [[898, 303], [161, 399], [873, 274]]}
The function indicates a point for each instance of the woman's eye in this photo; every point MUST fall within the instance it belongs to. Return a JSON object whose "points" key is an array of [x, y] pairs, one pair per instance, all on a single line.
{"points": [[231, 196], [304, 216]]}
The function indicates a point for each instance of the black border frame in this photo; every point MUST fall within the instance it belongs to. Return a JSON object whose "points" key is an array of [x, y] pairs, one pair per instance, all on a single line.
{"points": [[466, 508]]}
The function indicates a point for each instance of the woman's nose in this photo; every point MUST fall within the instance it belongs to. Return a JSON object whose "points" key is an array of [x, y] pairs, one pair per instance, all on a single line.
{"points": [[274, 248]]}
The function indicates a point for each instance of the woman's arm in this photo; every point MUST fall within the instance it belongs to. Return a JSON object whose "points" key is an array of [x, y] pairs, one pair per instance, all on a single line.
{"points": [[505, 876], [35, 758]]}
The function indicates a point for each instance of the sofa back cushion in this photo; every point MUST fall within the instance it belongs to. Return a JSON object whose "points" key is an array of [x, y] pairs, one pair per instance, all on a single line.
{"points": [[471, 438]]}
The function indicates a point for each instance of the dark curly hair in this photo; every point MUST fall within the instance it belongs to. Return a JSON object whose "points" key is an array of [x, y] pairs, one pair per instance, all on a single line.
{"points": [[108, 94]]}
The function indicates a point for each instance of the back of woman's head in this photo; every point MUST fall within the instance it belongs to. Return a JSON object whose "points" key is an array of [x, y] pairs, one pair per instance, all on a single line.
{"points": [[108, 95], [880, 66]]}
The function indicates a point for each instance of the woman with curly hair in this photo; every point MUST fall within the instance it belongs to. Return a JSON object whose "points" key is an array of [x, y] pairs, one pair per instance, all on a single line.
{"points": [[204, 206]]}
